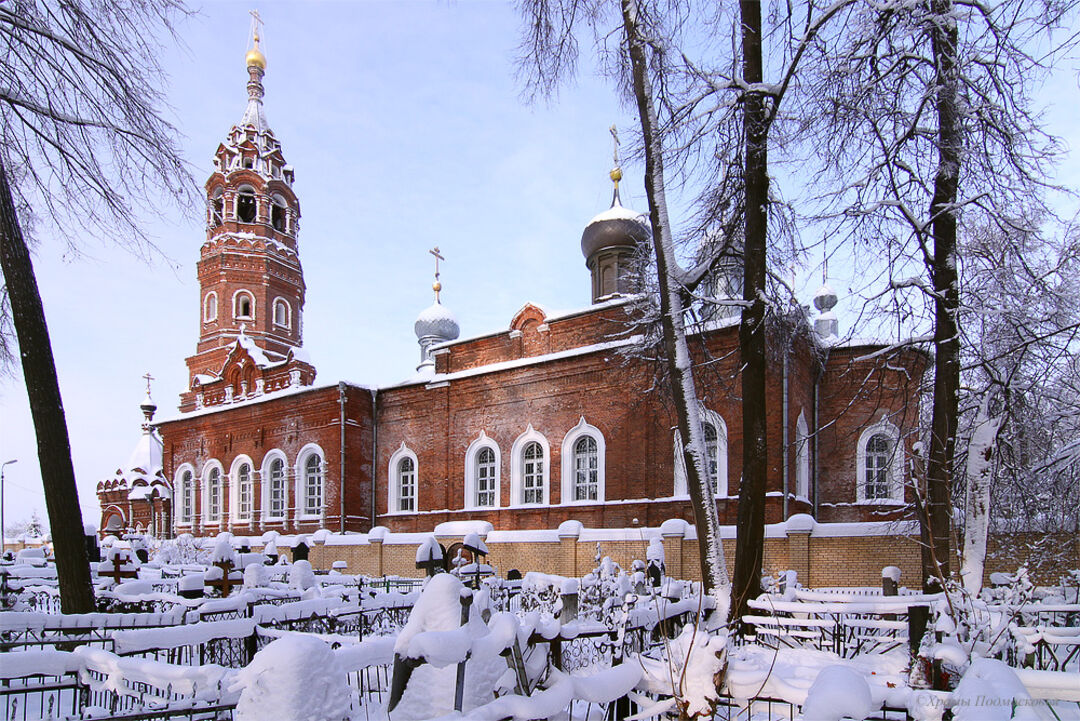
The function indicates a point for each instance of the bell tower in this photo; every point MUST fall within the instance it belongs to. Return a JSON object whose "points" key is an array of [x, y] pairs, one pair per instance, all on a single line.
{"points": [[251, 283]]}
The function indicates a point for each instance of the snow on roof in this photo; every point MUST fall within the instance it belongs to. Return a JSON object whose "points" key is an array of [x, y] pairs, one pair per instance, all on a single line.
{"points": [[271, 396], [145, 459], [531, 360]]}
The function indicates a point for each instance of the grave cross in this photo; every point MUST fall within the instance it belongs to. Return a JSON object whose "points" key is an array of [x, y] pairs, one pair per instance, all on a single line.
{"points": [[118, 572], [224, 584], [433, 564]]}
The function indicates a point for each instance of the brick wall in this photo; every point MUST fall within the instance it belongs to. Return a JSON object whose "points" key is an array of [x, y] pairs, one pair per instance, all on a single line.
{"points": [[820, 558]]}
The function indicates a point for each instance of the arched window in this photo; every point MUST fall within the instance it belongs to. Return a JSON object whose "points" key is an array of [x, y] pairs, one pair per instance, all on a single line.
{"points": [[879, 476], [403, 483], [246, 205], [485, 478], [876, 474], [213, 500], [714, 431], [243, 305], [278, 214], [281, 313], [275, 480], [406, 485], [583, 466], [532, 473], [529, 469], [210, 307], [313, 486], [482, 461], [217, 208], [802, 458], [586, 475], [187, 496], [244, 492]]}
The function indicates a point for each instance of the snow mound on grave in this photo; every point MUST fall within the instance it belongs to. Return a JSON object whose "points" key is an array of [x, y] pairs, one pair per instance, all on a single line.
{"points": [[434, 631], [991, 691], [838, 692], [295, 678]]}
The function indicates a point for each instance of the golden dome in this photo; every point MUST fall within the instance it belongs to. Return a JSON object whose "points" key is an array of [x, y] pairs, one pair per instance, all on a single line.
{"points": [[615, 174], [255, 58]]}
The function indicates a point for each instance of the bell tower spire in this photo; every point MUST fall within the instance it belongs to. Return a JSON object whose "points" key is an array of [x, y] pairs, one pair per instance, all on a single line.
{"points": [[251, 281]]}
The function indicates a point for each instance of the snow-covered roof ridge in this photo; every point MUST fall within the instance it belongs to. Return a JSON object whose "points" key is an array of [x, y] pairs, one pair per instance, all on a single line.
{"points": [[618, 212]]}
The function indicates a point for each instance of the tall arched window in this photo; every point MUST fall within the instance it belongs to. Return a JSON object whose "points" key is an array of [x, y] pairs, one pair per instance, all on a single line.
{"points": [[217, 208], [244, 492], [281, 313], [210, 307], [406, 485], [276, 489], [583, 465], [714, 431], [879, 466], [529, 469], [402, 484], [213, 496], [277, 213], [187, 496], [485, 477], [313, 485], [246, 205], [532, 473], [586, 469], [876, 475], [482, 461], [802, 458]]}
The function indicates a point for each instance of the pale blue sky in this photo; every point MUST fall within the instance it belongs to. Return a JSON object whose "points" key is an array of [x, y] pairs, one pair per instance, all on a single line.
{"points": [[405, 125]]}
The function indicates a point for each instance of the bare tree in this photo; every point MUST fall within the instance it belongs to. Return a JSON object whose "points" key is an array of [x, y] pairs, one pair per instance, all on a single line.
{"points": [[82, 136], [923, 120]]}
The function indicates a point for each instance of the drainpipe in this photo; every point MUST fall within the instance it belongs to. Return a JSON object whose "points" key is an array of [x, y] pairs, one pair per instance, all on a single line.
{"points": [[816, 432], [341, 432], [374, 450], [785, 439]]}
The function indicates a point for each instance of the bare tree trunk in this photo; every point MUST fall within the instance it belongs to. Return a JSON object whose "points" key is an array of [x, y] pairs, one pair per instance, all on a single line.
{"points": [[750, 531], [47, 409], [944, 38], [680, 364]]}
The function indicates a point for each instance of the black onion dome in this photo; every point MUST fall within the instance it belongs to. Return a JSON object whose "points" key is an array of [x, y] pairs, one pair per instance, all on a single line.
{"points": [[615, 227]]}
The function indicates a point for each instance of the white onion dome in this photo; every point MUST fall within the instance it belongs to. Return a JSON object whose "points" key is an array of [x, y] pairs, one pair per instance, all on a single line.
{"points": [[436, 321], [615, 227]]}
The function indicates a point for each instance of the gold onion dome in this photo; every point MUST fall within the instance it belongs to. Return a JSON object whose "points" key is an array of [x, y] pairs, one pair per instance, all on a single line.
{"points": [[254, 57]]}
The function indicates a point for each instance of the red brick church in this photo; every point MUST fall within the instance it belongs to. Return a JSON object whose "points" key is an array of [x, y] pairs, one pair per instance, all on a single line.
{"points": [[554, 418]]}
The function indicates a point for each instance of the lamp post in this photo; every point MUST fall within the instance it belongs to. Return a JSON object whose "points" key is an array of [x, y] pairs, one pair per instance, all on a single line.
{"points": [[3, 538]]}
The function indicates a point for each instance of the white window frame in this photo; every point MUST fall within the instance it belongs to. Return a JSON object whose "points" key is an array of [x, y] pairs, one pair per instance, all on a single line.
{"points": [[210, 300], [186, 495], [802, 457], [300, 490], [266, 475], [721, 488], [896, 465], [472, 468], [569, 469], [280, 302], [393, 481], [208, 469], [235, 510], [517, 468]]}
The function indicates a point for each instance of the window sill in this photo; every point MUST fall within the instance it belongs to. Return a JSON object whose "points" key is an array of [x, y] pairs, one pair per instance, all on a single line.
{"points": [[879, 502]]}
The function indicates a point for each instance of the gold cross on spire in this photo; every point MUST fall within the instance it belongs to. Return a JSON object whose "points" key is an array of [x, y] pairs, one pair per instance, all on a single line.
{"points": [[616, 172], [436, 286], [148, 378], [256, 23]]}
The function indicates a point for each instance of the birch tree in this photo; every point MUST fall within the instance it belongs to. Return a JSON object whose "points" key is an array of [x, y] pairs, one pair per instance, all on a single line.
{"points": [[924, 122], [83, 137]]}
